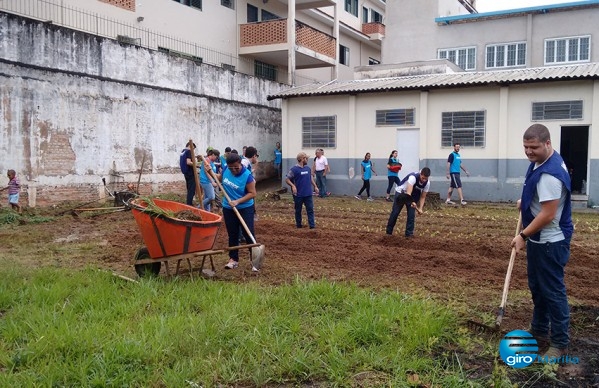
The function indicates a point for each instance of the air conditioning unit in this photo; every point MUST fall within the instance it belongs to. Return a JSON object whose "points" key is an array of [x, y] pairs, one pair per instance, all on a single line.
{"points": [[128, 40]]}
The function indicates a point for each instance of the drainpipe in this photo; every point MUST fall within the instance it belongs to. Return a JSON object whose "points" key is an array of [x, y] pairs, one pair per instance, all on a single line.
{"points": [[291, 43], [335, 70]]}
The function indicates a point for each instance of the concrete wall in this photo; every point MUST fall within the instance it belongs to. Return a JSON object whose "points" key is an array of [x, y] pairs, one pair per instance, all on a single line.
{"points": [[76, 108], [497, 169]]}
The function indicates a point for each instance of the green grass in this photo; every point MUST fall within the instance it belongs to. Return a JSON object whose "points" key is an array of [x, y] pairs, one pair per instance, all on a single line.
{"points": [[88, 328]]}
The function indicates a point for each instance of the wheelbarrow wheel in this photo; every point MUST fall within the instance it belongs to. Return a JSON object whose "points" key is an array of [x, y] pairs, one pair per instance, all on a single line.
{"points": [[148, 269]]}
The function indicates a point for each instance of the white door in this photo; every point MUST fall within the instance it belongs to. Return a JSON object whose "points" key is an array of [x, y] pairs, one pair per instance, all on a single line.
{"points": [[408, 146]]}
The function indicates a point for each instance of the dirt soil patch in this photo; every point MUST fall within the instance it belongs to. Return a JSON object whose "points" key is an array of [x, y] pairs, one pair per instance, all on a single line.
{"points": [[459, 256]]}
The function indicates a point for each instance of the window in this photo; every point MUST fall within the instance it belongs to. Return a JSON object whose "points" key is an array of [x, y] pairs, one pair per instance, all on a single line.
{"points": [[269, 16], [192, 3], [265, 70], [557, 110], [364, 15], [343, 55], [376, 17], [351, 6], [395, 117], [228, 3], [372, 61], [252, 13], [506, 55], [567, 50], [320, 131], [466, 128], [464, 57]]}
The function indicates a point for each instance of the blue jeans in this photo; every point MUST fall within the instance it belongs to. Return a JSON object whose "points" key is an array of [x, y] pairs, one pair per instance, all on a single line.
{"points": [[545, 267], [233, 225], [309, 203], [190, 182], [399, 201], [208, 195], [321, 182]]}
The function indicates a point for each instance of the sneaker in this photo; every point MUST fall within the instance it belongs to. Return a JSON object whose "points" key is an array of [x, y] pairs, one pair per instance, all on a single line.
{"points": [[463, 202], [231, 264], [357, 197], [328, 194], [388, 199], [370, 199], [449, 202], [254, 269], [554, 353]]}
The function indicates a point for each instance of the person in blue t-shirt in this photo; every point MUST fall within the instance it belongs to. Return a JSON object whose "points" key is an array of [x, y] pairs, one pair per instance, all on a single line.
{"points": [[393, 167], [546, 211], [240, 186], [278, 160], [367, 170], [454, 165], [206, 181], [302, 183]]}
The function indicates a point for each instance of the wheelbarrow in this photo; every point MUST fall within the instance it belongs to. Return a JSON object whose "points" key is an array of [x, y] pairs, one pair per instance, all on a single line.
{"points": [[170, 239]]}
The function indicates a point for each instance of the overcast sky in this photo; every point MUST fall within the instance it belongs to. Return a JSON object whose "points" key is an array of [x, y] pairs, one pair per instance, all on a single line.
{"points": [[496, 5]]}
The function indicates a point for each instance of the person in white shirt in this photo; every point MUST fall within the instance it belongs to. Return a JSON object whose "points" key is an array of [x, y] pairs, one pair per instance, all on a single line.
{"points": [[320, 169]]}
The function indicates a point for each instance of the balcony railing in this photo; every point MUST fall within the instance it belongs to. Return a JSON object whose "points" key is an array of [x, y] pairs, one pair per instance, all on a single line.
{"points": [[373, 28], [275, 32]]}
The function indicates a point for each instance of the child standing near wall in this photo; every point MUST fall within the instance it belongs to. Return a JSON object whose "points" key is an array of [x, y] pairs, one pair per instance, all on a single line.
{"points": [[14, 187]]}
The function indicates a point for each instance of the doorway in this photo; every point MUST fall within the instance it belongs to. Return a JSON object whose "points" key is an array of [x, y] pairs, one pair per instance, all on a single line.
{"points": [[408, 151], [574, 149]]}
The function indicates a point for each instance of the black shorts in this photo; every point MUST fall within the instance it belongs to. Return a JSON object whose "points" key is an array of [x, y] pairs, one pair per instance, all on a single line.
{"points": [[454, 180]]}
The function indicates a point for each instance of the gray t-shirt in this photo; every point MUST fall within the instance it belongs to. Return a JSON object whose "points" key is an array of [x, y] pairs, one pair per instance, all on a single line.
{"points": [[549, 188]]}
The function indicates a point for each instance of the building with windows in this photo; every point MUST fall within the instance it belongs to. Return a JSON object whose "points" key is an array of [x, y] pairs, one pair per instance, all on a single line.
{"points": [[478, 79], [289, 41], [538, 36]]}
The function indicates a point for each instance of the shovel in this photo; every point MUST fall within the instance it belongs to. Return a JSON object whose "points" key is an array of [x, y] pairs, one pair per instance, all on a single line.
{"points": [[257, 252], [508, 277]]}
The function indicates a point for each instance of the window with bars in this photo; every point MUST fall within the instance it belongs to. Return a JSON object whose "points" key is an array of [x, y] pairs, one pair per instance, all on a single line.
{"points": [[557, 110], [395, 117], [228, 3], [191, 3], [568, 50], [351, 6], [464, 57], [466, 128], [343, 55], [319, 131], [506, 55], [265, 70]]}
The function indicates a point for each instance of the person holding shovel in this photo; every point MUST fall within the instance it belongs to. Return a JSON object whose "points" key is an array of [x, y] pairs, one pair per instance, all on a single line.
{"points": [[546, 234], [240, 186], [411, 193], [302, 182]]}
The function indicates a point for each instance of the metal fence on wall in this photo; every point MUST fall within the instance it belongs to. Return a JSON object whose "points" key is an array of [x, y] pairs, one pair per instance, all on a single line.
{"points": [[82, 20]]}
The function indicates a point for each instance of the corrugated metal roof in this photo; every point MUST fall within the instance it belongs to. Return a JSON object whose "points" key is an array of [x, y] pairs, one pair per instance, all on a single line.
{"points": [[439, 81]]}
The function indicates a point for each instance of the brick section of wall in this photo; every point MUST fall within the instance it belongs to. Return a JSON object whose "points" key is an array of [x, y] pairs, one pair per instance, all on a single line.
{"points": [[315, 40], [125, 4], [373, 28], [270, 32], [57, 156]]}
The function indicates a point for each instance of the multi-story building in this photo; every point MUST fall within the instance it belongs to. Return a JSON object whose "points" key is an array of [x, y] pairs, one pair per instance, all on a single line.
{"points": [[289, 41], [538, 36]]}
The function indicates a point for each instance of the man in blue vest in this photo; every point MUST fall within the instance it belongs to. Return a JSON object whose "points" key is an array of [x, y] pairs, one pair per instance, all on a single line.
{"points": [[454, 165], [547, 231], [411, 193]]}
